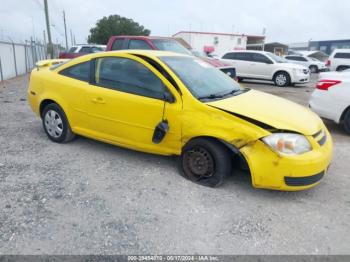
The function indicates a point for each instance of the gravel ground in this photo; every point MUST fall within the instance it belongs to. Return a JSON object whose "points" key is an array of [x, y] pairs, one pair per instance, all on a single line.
{"points": [[87, 197]]}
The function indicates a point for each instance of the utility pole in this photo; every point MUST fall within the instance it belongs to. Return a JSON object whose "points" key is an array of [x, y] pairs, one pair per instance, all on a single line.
{"points": [[65, 28], [49, 46], [71, 37]]}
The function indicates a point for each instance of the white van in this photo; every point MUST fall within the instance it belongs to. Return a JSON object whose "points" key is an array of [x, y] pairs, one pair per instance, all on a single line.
{"points": [[260, 65]]}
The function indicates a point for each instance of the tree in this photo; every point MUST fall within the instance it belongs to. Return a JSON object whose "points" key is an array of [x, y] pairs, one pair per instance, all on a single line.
{"points": [[115, 25]]}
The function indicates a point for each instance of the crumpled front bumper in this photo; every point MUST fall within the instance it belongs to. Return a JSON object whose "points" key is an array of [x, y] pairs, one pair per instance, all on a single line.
{"points": [[270, 170]]}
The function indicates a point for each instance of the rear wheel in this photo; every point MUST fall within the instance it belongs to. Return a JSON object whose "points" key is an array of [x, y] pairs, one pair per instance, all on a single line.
{"points": [[205, 161], [313, 69], [56, 125], [346, 123], [341, 68], [239, 79], [281, 79]]}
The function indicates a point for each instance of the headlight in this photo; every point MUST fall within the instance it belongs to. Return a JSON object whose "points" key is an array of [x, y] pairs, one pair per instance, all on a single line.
{"points": [[298, 70], [288, 143]]}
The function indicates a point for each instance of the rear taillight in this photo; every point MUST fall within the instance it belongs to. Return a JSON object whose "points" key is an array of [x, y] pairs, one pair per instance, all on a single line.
{"points": [[328, 63], [326, 84]]}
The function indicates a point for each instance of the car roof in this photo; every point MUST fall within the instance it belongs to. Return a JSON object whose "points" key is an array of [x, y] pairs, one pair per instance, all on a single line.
{"points": [[147, 52], [144, 37], [248, 51], [341, 50]]}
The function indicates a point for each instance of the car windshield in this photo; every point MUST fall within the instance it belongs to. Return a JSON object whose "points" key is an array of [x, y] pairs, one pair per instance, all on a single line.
{"points": [[171, 45], [204, 81], [276, 58]]}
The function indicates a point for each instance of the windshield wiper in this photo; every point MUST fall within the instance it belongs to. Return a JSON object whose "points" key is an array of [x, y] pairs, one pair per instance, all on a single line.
{"points": [[211, 96], [231, 93], [237, 92]]}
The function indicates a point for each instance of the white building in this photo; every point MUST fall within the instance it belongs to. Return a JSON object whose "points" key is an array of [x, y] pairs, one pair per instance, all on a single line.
{"points": [[218, 43]]}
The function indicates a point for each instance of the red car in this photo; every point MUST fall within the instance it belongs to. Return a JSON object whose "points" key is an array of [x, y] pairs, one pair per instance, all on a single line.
{"points": [[165, 44]]}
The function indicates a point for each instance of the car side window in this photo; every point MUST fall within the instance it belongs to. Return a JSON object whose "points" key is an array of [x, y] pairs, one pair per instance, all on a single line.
{"points": [[139, 44], [85, 49], [244, 56], [291, 58], [126, 75], [342, 55], [118, 44], [239, 56], [80, 71], [259, 58], [296, 58], [229, 56]]}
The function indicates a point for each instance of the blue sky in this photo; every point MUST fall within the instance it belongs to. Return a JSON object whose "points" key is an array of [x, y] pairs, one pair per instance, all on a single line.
{"points": [[285, 21]]}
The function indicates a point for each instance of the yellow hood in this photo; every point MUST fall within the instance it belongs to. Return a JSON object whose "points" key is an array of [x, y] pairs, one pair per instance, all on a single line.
{"points": [[273, 111]]}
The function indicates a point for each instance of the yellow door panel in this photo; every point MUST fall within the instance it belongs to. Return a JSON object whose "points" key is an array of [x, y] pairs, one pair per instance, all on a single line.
{"points": [[128, 118]]}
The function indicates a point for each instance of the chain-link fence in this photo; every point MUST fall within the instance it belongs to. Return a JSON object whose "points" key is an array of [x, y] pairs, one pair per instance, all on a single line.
{"points": [[19, 58]]}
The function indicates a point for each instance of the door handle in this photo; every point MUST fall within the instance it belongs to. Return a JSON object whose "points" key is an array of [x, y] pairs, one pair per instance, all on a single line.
{"points": [[98, 100]]}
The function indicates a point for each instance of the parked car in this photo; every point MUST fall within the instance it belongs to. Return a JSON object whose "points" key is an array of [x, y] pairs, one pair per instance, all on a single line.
{"points": [[331, 98], [164, 44], [80, 50], [313, 64], [261, 65], [174, 104], [339, 60]]}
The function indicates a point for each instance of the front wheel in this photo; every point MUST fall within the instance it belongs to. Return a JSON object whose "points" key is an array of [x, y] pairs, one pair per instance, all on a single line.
{"points": [[56, 125], [206, 162], [346, 123], [281, 79]]}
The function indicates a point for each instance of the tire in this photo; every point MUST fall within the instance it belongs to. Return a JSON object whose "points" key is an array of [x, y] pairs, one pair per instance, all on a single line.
{"points": [[341, 68], [346, 123], [239, 79], [281, 79], [205, 162], [56, 125], [313, 69]]}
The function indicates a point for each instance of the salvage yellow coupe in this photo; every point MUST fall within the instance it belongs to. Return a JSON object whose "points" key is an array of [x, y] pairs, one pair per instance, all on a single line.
{"points": [[173, 104]]}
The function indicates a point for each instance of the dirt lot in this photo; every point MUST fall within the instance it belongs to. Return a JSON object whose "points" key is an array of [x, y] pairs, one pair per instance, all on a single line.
{"points": [[87, 197]]}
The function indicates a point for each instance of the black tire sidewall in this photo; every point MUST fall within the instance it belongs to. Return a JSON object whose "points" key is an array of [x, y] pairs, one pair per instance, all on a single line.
{"points": [[287, 77], [220, 155], [346, 122], [315, 67], [62, 115]]}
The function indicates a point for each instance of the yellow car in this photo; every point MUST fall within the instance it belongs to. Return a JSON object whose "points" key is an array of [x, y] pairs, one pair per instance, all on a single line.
{"points": [[173, 104]]}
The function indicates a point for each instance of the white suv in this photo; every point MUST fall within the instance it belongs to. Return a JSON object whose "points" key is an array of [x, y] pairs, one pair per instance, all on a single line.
{"points": [[266, 66], [339, 60], [313, 64]]}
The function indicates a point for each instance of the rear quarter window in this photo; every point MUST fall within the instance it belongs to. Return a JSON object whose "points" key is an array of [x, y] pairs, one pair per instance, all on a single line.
{"points": [[342, 55], [80, 71]]}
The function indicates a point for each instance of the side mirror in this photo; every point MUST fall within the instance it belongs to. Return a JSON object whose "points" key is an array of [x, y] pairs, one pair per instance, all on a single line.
{"points": [[160, 131]]}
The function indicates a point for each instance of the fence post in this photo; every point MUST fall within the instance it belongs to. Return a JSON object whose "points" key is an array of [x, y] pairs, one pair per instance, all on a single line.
{"points": [[2, 76], [25, 56], [14, 56]]}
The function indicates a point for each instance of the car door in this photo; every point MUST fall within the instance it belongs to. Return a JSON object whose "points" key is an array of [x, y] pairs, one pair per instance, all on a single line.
{"points": [[74, 85], [240, 60], [261, 66], [127, 103]]}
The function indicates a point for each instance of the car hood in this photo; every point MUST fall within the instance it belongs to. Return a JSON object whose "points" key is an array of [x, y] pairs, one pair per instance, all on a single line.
{"points": [[271, 110], [216, 62]]}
